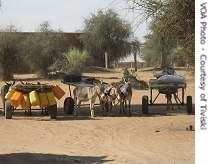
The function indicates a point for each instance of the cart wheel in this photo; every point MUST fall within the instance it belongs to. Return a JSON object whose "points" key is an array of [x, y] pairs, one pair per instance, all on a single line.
{"points": [[145, 105], [8, 109], [68, 106], [52, 111], [189, 104]]}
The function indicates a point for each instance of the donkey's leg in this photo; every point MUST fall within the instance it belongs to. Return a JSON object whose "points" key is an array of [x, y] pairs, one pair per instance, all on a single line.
{"points": [[77, 106], [92, 108], [42, 111], [120, 108], [110, 107], [124, 106], [46, 112], [129, 107], [107, 107], [103, 107], [3, 102]]}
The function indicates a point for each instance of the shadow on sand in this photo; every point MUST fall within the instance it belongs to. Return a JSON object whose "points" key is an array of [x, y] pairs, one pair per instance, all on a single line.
{"points": [[84, 113], [36, 158]]}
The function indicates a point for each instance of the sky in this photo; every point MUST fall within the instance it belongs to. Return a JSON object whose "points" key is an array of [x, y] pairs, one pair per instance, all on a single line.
{"points": [[66, 15]]}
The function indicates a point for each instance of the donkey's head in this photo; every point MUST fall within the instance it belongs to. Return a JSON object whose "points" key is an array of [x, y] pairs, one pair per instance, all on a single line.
{"points": [[99, 87], [5, 88], [9, 84]]}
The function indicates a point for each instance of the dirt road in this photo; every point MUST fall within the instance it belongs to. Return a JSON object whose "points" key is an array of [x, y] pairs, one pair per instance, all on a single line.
{"points": [[159, 138]]}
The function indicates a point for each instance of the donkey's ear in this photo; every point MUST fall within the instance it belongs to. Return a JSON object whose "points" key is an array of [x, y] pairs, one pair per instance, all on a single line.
{"points": [[113, 84], [124, 79], [101, 82], [22, 82], [94, 83], [13, 83]]}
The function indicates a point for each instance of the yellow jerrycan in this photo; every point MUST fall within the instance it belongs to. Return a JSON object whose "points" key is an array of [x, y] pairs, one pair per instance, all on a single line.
{"points": [[9, 94], [51, 98], [25, 102], [43, 99], [16, 99], [34, 98]]}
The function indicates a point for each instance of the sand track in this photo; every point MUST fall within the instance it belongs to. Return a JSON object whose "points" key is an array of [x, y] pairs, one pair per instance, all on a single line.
{"points": [[157, 139]]}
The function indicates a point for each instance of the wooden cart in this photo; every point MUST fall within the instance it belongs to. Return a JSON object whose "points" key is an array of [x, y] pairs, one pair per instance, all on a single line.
{"points": [[26, 89], [170, 90], [73, 81]]}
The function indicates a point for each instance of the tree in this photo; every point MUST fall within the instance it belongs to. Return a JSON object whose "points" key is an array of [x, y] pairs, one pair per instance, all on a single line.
{"points": [[75, 61], [43, 49], [106, 32], [172, 25], [135, 48], [9, 49]]}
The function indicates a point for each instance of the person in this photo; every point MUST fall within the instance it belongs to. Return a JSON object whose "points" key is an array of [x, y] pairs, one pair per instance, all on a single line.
{"points": [[126, 73], [168, 70], [134, 73]]}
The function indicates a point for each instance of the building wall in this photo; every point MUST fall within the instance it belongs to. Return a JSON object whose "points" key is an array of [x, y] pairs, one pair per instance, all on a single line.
{"points": [[72, 39], [130, 64]]}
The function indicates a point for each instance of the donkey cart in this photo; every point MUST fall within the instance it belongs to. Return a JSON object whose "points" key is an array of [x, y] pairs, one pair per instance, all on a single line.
{"points": [[170, 87], [75, 80], [24, 96]]}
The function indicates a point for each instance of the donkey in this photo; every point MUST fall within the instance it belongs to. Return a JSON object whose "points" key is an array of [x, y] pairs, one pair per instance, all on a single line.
{"points": [[116, 93], [4, 89], [107, 97], [83, 93], [124, 95]]}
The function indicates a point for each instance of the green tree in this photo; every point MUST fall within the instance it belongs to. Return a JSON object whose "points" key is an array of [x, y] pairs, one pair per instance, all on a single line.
{"points": [[135, 49], [75, 61], [9, 50], [172, 25], [106, 32], [177, 56], [42, 49]]}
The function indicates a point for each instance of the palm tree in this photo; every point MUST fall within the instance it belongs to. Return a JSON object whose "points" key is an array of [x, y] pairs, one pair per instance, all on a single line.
{"points": [[135, 48]]}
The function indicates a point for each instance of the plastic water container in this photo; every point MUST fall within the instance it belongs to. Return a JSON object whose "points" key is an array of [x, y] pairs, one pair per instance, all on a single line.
{"points": [[16, 99], [43, 100], [34, 98], [9, 94], [58, 92], [51, 98], [25, 104]]}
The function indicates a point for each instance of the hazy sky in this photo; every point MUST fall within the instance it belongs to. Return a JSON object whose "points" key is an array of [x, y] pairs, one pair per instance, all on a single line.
{"points": [[67, 15]]}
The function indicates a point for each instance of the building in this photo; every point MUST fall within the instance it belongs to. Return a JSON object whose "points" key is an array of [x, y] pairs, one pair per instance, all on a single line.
{"points": [[129, 62]]}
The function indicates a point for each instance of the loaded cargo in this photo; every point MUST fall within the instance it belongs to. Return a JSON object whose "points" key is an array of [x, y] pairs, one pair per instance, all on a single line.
{"points": [[25, 96]]}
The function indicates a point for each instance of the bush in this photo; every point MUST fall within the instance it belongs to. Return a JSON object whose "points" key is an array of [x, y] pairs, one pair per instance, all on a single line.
{"points": [[43, 49], [178, 57], [8, 54], [75, 61], [106, 32]]}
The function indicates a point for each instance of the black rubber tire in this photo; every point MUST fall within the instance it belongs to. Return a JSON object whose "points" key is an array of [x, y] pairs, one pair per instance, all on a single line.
{"points": [[145, 105], [189, 104], [52, 110], [68, 107], [8, 109]]}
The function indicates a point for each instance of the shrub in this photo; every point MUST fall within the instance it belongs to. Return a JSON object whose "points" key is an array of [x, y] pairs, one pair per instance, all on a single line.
{"points": [[8, 54], [75, 61]]}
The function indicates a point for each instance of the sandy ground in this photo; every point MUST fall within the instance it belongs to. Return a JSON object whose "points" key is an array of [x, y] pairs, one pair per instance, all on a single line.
{"points": [[159, 138]]}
